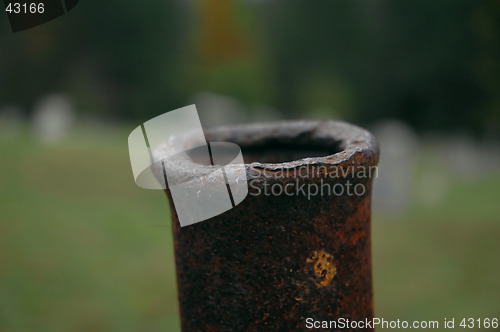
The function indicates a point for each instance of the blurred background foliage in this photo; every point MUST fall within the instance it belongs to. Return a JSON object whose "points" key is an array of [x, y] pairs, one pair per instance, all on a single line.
{"points": [[83, 249], [434, 64]]}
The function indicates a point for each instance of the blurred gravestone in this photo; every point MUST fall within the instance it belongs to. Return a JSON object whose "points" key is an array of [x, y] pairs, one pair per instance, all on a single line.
{"points": [[219, 110], [10, 122], [399, 152], [53, 118], [467, 157]]}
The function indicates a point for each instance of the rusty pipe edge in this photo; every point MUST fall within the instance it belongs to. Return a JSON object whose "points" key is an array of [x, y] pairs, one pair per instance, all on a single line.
{"points": [[274, 261]]}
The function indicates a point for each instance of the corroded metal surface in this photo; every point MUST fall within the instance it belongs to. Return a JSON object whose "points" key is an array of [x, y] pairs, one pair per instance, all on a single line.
{"points": [[275, 260]]}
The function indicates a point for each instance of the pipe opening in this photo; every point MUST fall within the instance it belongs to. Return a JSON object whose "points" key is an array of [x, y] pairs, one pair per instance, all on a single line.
{"points": [[278, 152], [270, 151]]}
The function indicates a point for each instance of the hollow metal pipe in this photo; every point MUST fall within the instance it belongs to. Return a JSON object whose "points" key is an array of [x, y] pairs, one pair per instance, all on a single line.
{"points": [[280, 257]]}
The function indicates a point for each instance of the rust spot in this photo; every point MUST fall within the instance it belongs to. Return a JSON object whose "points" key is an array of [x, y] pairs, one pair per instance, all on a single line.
{"points": [[324, 268]]}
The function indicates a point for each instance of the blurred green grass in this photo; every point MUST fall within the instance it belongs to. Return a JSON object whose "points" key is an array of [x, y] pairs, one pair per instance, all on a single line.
{"points": [[83, 249]]}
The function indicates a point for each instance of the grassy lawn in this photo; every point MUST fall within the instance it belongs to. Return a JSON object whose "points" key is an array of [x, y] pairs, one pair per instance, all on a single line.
{"points": [[83, 249]]}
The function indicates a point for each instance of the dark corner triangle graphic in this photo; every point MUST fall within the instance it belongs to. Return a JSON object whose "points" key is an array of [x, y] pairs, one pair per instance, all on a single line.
{"points": [[25, 15], [70, 4]]}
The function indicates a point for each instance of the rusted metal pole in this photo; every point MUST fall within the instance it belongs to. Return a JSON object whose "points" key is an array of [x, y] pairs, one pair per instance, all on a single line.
{"points": [[287, 252]]}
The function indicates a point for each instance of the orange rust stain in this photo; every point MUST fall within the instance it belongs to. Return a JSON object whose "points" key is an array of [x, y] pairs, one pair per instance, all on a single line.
{"points": [[324, 268]]}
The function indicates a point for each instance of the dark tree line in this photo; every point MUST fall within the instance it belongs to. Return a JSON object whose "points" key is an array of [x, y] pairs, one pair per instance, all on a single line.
{"points": [[435, 64]]}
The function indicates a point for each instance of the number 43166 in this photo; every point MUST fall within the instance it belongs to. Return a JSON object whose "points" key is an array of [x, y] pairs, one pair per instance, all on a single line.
{"points": [[25, 8], [479, 323]]}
